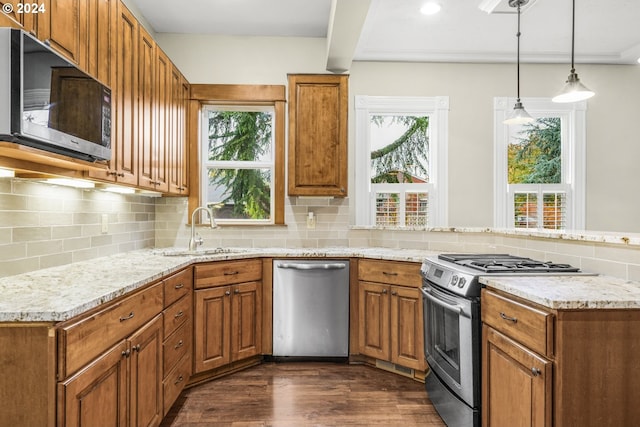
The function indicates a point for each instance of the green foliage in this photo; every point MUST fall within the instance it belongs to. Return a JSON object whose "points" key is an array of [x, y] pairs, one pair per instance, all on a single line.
{"points": [[537, 157], [241, 135], [409, 151]]}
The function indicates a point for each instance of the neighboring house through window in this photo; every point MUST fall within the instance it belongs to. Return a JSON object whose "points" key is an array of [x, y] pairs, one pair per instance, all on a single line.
{"points": [[540, 167], [401, 153]]}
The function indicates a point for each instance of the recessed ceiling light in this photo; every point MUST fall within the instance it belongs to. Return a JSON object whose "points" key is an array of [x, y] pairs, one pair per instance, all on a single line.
{"points": [[430, 8], [638, 60]]}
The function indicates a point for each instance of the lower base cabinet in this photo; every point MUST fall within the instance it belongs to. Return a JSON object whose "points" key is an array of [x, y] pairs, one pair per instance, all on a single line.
{"points": [[125, 382]]}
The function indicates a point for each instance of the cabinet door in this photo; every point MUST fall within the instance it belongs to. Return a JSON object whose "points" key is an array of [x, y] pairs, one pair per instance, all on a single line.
{"points": [[97, 395], [318, 135], [374, 320], [162, 100], [145, 393], [97, 38], [516, 383], [212, 328], [146, 75], [246, 326], [61, 27], [177, 142], [124, 95], [407, 339]]}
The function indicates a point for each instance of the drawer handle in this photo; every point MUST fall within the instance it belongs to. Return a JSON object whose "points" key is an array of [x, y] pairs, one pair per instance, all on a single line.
{"points": [[510, 319], [130, 316], [231, 273], [179, 380], [387, 273], [180, 344], [179, 286], [535, 371], [179, 314]]}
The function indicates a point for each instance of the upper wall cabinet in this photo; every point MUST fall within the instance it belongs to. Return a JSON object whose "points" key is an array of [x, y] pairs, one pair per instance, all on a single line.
{"points": [[60, 27], [318, 107]]}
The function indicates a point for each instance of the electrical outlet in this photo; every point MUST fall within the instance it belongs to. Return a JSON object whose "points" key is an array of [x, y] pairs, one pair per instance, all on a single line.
{"points": [[105, 223], [311, 221]]}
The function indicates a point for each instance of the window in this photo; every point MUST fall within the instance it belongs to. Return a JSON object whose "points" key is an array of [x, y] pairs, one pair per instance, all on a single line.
{"points": [[539, 174], [240, 160], [401, 148], [237, 163]]}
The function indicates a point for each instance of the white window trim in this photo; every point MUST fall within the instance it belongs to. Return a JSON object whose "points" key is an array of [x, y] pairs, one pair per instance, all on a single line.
{"points": [[205, 164], [573, 116], [437, 108]]}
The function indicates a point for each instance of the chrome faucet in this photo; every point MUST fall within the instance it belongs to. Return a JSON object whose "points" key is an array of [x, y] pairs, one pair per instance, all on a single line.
{"points": [[196, 240]]}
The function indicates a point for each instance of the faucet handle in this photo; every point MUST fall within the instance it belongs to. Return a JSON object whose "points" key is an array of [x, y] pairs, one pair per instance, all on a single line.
{"points": [[198, 240]]}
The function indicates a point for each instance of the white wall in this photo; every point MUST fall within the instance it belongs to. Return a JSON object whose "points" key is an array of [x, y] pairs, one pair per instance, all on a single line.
{"points": [[613, 144]]}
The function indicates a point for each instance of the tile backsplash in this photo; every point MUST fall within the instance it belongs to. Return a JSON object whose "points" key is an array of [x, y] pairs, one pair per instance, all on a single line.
{"points": [[42, 225]]}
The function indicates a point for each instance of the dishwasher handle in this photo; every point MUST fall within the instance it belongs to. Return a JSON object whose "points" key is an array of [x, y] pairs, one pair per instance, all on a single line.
{"points": [[314, 266]]}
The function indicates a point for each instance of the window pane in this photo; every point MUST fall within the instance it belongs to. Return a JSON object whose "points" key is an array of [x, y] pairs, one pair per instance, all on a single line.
{"points": [[525, 207], [555, 206], [399, 149], [535, 153], [240, 193], [416, 209], [387, 209], [240, 135]]}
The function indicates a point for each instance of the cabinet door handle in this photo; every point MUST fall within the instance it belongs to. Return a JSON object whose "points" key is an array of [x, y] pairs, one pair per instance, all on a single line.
{"points": [[179, 286], [130, 316], [136, 348], [126, 353], [535, 371], [384, 291], [227, 293], [394, 293], [236, 291], [179, 380], [180, 344], [179, 314], [508, 318]]}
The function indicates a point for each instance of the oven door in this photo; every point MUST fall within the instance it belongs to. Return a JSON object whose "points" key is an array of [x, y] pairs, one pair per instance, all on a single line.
{"points": [[451, 328]]}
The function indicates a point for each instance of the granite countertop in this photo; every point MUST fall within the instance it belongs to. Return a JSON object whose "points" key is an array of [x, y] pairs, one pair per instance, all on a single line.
{"points": [[60, 293], [570, 292]]}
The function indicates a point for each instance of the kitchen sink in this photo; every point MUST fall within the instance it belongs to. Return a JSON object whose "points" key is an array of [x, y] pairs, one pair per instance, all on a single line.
{"points": [[213, 251]]}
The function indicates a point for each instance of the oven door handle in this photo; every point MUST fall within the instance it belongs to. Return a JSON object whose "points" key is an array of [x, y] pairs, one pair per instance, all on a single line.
{"points": [[443, 304]]}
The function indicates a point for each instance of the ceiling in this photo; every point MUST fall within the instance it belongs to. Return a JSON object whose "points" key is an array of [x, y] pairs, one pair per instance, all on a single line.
{"points": [[607, 32]]}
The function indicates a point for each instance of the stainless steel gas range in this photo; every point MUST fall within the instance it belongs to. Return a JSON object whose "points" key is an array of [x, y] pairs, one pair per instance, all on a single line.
{"points": [[452, 326]]}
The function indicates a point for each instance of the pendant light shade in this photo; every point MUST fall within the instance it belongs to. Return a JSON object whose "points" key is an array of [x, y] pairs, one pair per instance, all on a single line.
{"points": [[573, 90], [519, 115]]}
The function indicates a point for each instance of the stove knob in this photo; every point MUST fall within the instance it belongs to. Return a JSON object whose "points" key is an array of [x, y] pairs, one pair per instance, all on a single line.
{"points": [[454, 280], [462, 282]]}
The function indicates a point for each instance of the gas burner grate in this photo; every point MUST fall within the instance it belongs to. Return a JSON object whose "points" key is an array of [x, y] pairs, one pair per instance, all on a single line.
{"points": [[505, 263]]}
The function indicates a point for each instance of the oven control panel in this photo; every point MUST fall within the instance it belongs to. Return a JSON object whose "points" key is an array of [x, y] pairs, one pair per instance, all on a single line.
{"points": [[455, 281]]}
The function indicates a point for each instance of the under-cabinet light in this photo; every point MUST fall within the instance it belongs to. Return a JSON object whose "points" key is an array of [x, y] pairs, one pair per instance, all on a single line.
{"points": [[68, 182], [7, 173], [119, 190]]}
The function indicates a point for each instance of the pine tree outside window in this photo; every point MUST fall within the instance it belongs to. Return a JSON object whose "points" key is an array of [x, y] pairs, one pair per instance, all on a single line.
{"points": [[401, 154], [237, 164], [539, 172]]}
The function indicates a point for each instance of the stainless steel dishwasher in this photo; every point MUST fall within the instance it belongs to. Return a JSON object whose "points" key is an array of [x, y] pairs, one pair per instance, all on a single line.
{"points": [[311, 308]]}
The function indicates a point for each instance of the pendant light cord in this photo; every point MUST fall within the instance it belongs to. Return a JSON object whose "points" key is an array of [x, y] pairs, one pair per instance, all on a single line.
{"points": [[518, 55], [573, 35]]}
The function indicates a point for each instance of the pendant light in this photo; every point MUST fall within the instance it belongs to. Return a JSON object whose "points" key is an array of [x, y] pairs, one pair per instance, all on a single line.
{"points": [[573, 90], [519, 115]]}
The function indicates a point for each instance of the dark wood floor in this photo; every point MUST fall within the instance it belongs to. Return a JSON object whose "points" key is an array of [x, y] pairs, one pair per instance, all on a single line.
{"points": [[305, 394]]}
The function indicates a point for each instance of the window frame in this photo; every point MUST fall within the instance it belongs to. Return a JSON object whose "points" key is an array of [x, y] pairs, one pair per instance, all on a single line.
{"points": [[437, 108], [573, 140], [243, 95]]}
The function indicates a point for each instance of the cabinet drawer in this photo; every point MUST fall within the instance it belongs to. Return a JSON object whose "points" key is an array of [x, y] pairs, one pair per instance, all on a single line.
{"points": [[177, 314], [392, 272], [176, 346], [527, 325], [81, 341], [175, 382], [227, 272], [178, 285]]}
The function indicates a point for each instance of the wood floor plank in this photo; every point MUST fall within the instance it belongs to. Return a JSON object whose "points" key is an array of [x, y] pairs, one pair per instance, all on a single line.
{"points": [[305, 394]]}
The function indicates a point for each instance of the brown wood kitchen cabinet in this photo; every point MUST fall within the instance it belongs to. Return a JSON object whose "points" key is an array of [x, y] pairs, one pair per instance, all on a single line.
{"points": [[318, 106], [390, 312], [546, 367], [178, 333], [110, 364], [228, 313]]}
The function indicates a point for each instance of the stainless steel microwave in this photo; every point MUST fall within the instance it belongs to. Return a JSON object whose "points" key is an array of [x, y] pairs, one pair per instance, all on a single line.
{"points": [[48, 103]]}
